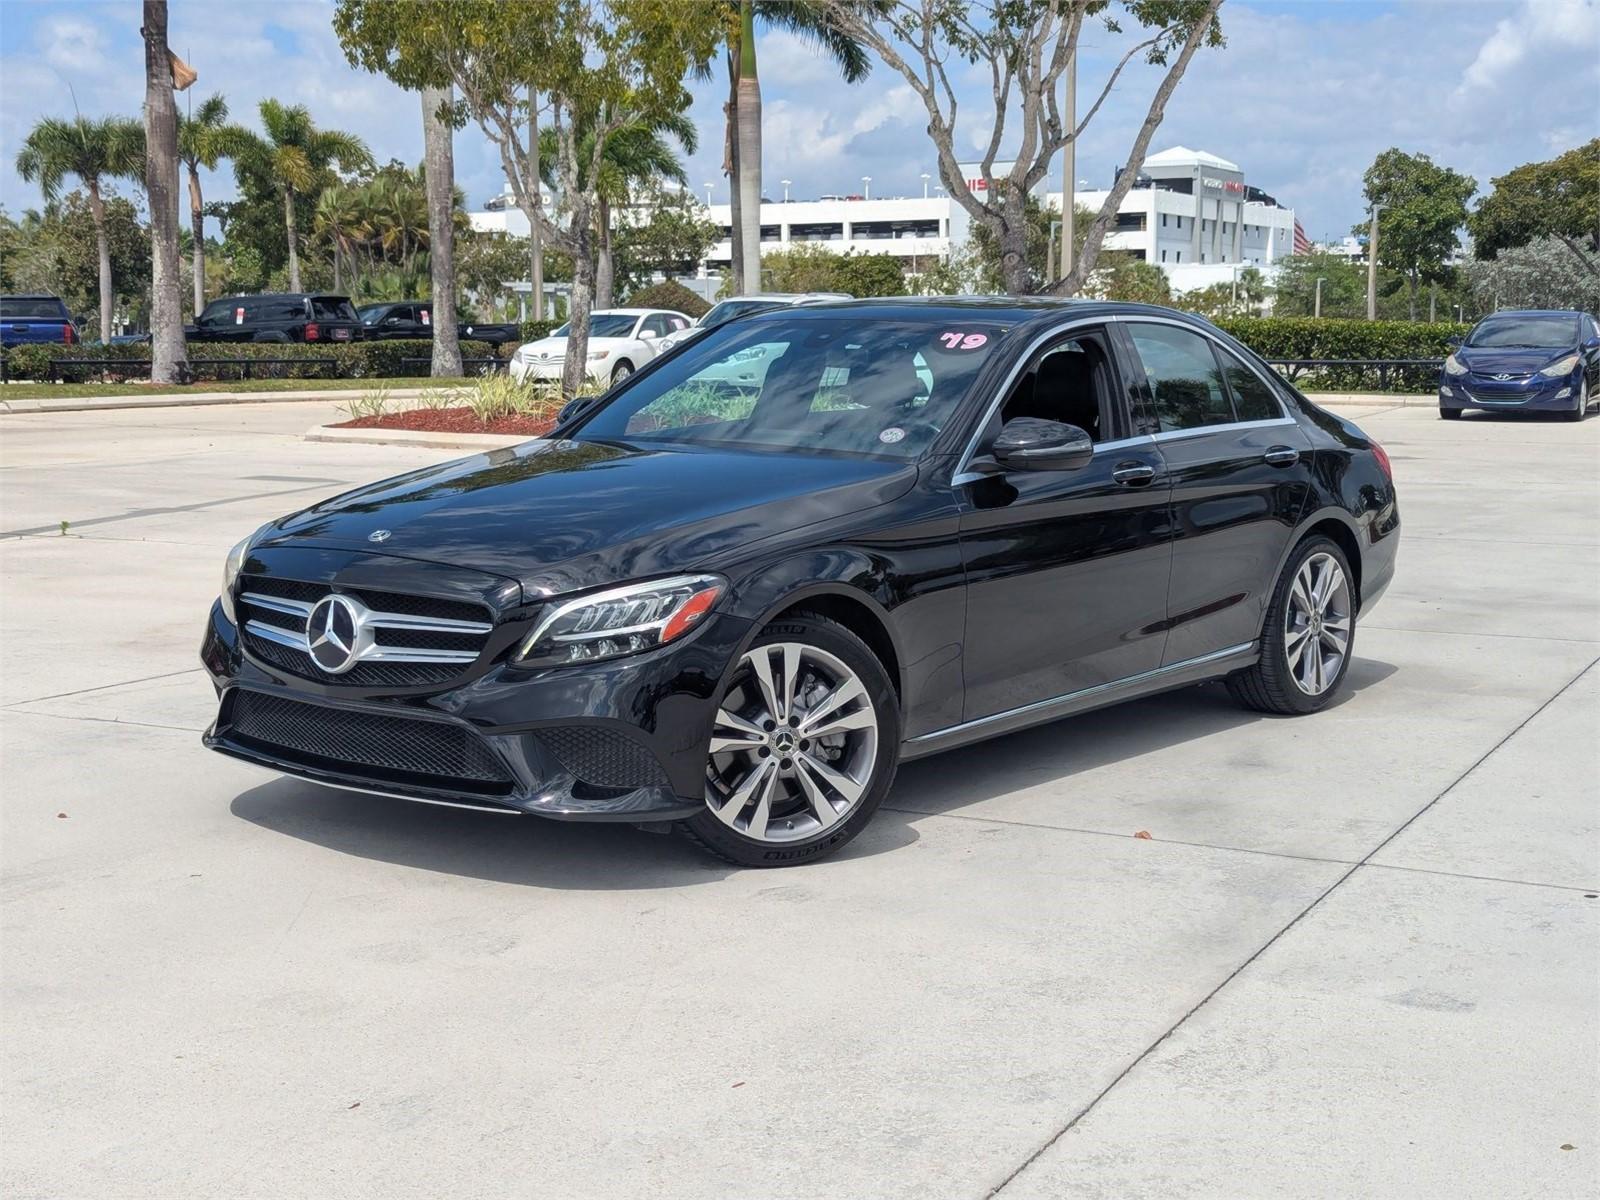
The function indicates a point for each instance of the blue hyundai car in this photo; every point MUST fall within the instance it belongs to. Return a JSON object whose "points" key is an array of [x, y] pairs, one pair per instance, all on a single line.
{"points": [[1524, 362]]}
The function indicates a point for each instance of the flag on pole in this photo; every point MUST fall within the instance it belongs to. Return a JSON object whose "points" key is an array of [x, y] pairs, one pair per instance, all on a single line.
{"points": [[1302, 244]]}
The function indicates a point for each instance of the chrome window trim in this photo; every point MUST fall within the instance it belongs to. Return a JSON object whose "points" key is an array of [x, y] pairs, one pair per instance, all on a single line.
{"points": [[964, 474]]}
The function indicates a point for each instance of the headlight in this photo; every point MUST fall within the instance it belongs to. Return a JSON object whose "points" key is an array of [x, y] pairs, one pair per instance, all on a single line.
{"points": [[1562, 366], [1453, 366], [623, 620], [596, 355], [230, 575]]}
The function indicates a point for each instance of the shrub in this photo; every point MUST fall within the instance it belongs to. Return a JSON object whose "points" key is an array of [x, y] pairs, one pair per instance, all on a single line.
{"points": [[532, 331], [671, 295], [1331, 337], [223, 361], [387, 359]]}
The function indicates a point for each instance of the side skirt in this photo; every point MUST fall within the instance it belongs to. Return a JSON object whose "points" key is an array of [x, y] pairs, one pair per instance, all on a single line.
{"points": [[1194, 670]]}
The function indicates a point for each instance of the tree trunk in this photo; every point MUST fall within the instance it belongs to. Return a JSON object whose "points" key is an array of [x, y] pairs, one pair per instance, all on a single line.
{"points": [[439, 160], [1411, 294], [730, 168], [338, 279], [749, 146], [97, 212], [197, 227], [169, 359], [535, 233], [294, 237], [1013, 243], [574, 369], [605, 266]]}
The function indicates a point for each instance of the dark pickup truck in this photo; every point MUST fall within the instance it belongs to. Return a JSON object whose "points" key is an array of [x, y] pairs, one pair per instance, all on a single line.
{"points": [[414, 319], [286, 317], [35, 320]]}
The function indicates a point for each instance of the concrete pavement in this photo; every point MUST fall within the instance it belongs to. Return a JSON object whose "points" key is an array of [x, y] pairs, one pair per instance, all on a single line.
{"points": [[1358, 955]]}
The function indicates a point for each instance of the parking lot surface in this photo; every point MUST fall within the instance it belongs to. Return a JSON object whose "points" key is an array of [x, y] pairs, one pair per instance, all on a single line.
{"points": [[1357, 954]]}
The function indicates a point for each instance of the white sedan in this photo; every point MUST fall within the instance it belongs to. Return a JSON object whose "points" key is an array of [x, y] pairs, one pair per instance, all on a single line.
{"points": [[621, 340]]}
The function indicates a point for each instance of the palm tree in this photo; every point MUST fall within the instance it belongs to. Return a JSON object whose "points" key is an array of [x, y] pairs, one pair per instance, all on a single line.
{"points": [[339, 221], [809, 21], [96, 151], [635, 153], [300, 157], [204, 139]]}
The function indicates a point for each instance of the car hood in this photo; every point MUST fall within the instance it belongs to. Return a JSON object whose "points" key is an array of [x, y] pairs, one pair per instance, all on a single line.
{"points": [[556, 346], [562, 516], [1510, 360]]}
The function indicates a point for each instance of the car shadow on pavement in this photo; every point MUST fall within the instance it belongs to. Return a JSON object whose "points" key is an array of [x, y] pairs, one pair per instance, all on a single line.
{"points": [[1061, 749], [559, 854]]}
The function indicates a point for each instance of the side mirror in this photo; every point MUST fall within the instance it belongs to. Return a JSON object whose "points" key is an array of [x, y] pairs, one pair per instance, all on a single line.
{"points": [[1453, 343], [648, 335], [1592, 342], [1031, 444], [391, 320], [574, 408]]}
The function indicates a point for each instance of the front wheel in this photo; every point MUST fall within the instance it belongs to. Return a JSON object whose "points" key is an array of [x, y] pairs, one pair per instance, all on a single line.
{"points": [[1582, 410], [1309, 634], [804, 749], [624, 369]]}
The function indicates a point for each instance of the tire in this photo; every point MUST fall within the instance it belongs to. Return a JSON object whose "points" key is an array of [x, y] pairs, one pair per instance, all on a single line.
{"points": [[1289, 684], [775, 798], [1450, 414], [624, 369], [1582, 409]]}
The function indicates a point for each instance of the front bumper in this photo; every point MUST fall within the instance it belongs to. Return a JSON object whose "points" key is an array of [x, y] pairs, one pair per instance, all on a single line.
{"points": [[536, 369], [1534, 394], [617, 741]]}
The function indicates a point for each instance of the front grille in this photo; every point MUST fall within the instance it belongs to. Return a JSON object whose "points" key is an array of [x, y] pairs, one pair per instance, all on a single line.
{"points": [[1479, 397], [603, 758], [274, 611], [365, 744]]}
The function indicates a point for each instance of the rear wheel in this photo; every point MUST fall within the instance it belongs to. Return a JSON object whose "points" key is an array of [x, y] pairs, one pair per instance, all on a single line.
{"points": [[1308, 637], [805, 746]]}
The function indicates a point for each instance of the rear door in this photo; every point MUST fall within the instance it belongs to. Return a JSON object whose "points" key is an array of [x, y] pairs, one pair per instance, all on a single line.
{"points": [[1066, 570], [1240, 470]]}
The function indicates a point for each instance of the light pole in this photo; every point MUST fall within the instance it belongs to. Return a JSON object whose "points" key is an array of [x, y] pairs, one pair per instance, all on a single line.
{"points": [[1069, 165], [708, 195], [1372, 263], [925, 178], [786, 191], [1050, 254], [1316, 308], [866, 182]]}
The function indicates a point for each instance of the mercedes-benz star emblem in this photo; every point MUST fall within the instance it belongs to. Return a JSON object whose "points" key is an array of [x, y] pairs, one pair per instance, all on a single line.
{"points": [[333, 633], [378, 535]]}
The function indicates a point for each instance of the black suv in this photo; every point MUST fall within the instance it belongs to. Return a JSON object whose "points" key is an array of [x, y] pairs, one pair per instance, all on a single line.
{"points": [[742, 586], [407, 319], [286, 317]]}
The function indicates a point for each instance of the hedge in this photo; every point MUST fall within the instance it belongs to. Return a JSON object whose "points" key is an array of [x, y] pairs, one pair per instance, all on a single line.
{"points": [[353, 360], [670, 295], [1332, 337], [532, 331]]}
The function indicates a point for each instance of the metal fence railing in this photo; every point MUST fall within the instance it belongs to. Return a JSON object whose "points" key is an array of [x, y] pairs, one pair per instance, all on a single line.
{"points": [[1357, 374], [78, 370], [474, 366]]}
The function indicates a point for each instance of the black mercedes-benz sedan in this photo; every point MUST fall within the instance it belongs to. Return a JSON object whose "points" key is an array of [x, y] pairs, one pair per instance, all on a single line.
{"points": [[737, 590]]}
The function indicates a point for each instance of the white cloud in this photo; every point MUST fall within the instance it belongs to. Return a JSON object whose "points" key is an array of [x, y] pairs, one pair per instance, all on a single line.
{"points": [[1538, 26], [71, 44]]}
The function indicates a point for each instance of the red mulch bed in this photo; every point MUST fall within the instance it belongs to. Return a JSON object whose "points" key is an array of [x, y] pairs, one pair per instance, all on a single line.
{"points": [[452, 420]]}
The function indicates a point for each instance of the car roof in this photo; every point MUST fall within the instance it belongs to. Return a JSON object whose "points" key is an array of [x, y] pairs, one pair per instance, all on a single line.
{"points": [[634, 312], [1532, 312], [1010, 310]]}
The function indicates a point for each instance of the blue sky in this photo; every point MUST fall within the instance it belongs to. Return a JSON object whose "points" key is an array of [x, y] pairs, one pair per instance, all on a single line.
{"points": [[1303, 97]]}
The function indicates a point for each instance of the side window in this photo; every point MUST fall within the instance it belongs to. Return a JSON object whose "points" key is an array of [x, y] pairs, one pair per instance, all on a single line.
{"points": [[657, 325], [218, 312], [1069, 383], [1252, 399], [1184, 377]]}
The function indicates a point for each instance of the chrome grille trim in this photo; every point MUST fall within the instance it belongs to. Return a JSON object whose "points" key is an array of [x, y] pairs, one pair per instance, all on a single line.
{"points": [[297, 641], [378, 620]]}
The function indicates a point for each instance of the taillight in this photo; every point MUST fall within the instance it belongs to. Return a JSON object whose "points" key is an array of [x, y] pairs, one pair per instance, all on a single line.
{"points": [[69, 335], [312, 332], [1383, 461]]}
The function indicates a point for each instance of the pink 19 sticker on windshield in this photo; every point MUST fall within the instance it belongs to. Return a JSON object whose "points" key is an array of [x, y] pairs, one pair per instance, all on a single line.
{"points": [[956, 340]]}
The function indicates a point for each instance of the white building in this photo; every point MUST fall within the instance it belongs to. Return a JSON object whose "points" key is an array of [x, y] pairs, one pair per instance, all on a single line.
{"points": [[1189, 212]]}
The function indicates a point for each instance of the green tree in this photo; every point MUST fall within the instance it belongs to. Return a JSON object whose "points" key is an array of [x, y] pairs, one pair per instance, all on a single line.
{"points": [[96, 152], [1024, 47], [812, 23], [1344, 286], [299, 158], [666, 234], [204, 139], [1123, 277], [56, 250], [987, 267], [1546, 273], [1425, 205], [1559, 198]]}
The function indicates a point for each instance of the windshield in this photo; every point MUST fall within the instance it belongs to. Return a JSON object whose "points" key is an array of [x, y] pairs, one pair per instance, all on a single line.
{"points": [[729, 309], [604, 325], [881, 388], [14, 308], [371, 312], [1544, 332]]}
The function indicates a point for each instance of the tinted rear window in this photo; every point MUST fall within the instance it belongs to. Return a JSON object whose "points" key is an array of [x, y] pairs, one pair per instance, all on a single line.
{"points": [[14, 308], [332, 308]]}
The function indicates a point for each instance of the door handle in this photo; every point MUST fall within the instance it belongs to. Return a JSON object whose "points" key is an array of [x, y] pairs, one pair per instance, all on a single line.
{"points": [[1133, 474], [1282, 456]]}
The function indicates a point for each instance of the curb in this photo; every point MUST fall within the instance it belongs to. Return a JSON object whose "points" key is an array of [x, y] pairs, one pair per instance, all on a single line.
{"points": [[414, 437], [189, 400], [1374, 399]]}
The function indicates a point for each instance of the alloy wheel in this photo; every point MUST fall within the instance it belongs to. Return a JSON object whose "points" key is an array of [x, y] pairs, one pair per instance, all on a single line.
{"points": [[794, 747], [1316, 624]]}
